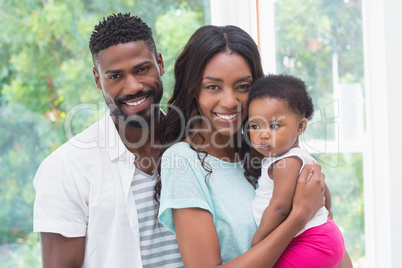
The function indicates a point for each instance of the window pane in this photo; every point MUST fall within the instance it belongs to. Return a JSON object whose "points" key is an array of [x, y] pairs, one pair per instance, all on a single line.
{"points": [[321, 42], [47, 92]]}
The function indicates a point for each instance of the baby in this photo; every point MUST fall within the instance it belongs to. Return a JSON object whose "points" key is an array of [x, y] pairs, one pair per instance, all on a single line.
{"points": [[279, 108]]}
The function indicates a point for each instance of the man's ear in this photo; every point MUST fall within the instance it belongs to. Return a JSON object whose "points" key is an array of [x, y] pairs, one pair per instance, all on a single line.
{"points": [[160, 62], [97, 79], [302, 126]]}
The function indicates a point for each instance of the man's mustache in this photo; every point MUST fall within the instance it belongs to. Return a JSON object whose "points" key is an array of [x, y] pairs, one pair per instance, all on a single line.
{"points": [[134, 96]]}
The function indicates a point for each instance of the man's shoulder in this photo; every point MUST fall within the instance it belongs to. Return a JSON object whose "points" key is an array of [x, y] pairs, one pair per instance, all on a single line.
{"points": [[89, 141]]}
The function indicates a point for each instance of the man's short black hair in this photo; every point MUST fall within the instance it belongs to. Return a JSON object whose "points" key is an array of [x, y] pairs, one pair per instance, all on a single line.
{"points": [[118, 29]]}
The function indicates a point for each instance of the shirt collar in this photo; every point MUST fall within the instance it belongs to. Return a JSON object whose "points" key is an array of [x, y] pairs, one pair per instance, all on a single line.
{"points": [[109, 137]]}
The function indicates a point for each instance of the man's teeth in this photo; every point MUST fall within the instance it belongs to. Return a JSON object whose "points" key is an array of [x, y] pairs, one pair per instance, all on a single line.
{"points": [[136, 103], [228, 116]]}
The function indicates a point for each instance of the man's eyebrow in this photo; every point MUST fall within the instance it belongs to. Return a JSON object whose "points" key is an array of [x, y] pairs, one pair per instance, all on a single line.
{"points": [[139, 65], [113, 71]]}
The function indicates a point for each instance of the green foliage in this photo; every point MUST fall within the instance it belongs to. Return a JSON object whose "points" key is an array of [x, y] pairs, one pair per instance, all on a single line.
{"points": [[309, 34], [174, 42], [26, 138], [45, 78], [345, 182], [26, 253]]}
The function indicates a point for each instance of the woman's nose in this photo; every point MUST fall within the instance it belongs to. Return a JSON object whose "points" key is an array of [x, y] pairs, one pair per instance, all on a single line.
{"points": [[229, 99]]}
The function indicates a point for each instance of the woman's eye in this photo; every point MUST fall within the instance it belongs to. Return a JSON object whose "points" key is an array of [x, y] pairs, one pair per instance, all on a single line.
{"points": [[212, 87], [244, 86]]}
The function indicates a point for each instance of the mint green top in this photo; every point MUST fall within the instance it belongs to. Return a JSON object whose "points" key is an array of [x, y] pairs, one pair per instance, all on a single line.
{"points": [[226, 194]]}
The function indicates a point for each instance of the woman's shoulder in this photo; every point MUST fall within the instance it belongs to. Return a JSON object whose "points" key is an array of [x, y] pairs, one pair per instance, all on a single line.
{"points": [[180, 148]]}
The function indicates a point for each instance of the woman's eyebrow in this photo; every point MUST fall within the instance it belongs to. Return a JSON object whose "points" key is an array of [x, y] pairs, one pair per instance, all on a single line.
{"points": [[212, 78]]}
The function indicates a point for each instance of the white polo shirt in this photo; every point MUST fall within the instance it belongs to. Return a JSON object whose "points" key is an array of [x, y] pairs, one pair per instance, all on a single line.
{"points": [[83, 189]]}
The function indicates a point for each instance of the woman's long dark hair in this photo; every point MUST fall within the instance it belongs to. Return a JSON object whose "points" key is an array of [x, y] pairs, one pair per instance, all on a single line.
{"points": [[205, 43]]}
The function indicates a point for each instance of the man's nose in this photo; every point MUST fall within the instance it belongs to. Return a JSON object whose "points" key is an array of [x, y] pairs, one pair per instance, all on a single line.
{"points": [[132, 85]]}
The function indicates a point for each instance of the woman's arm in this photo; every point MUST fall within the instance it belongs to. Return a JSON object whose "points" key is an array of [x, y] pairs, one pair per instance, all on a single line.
{"points": [[328, 201], [284, 174], [199, 244], [346, 261]]}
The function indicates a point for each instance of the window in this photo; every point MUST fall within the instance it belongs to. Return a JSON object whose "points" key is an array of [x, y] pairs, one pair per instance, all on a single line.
{"points": [[322, 43]]}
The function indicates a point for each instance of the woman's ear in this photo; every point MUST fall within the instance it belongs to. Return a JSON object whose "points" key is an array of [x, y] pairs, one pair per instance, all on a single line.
{"points": [[302, 126]]}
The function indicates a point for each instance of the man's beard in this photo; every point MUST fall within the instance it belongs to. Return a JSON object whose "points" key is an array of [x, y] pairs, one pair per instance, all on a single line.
{"points": [[140, 119]]}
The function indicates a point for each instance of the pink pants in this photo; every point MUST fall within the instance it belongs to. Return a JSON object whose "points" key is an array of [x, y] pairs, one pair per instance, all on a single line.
{"points": [[320, 246]]}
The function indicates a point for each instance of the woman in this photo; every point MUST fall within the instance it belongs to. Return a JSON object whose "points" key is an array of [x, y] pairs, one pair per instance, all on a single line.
{"points": [[205, 197]]}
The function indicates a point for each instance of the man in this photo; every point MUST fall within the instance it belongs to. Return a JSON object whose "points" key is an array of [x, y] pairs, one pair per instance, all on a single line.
{"points": [[94, 203]]}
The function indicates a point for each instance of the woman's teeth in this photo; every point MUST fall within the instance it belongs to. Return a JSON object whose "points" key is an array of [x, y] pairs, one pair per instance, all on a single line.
{"points": [[227, 116]]}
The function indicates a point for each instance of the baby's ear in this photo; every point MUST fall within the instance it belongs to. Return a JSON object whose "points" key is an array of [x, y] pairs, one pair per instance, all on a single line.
{"points": [[302, 126]]}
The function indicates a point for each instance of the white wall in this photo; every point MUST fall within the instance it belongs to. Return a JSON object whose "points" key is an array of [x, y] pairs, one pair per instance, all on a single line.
{"points": [[242, 13], [235, 12], [382, 22]]}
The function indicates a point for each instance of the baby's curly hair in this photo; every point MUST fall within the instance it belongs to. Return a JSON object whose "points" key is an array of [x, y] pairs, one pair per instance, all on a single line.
{"points": [[284, 87], [117, 29]]}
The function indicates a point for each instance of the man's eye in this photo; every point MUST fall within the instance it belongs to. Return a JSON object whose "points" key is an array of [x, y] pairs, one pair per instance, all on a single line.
{"points": [[114, 76], [143, 69]]}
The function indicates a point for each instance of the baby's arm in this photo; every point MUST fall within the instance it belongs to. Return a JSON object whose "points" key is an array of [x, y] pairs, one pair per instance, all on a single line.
{"points": [[284, 174]]}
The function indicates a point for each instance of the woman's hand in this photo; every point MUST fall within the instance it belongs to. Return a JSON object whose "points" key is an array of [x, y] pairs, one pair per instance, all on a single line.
{"points": [[309, 195]]}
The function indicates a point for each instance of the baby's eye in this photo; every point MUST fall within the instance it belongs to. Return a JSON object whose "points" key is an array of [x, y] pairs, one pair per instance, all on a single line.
{"points": [[274, 126], [255, 127]]}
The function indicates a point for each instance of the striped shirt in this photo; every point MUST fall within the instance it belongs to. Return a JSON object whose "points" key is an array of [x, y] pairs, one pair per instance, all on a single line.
{"points": [[158, 244]]}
